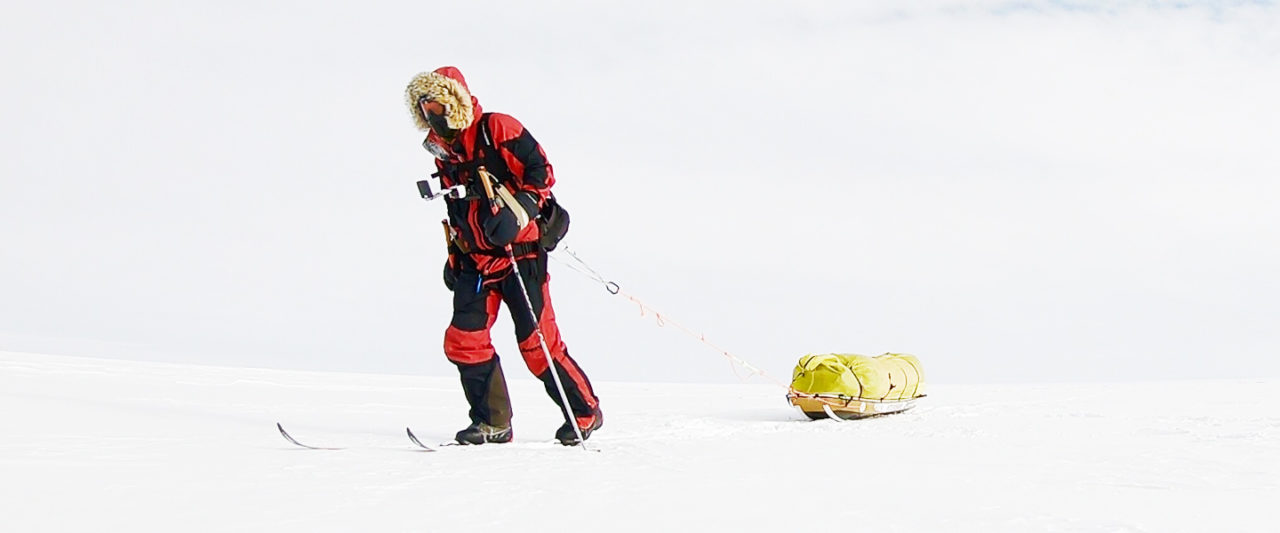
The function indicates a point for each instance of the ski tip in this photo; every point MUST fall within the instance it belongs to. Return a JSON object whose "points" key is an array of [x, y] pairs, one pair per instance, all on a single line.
{"points": [[294, 441], [414, 438]]}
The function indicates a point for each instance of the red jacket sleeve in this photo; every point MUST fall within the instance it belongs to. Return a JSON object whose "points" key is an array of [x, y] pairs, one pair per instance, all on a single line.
{"points": [[523, 156]]}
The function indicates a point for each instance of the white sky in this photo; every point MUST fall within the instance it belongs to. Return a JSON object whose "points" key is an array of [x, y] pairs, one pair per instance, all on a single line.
{"points": [[1010, 190]]}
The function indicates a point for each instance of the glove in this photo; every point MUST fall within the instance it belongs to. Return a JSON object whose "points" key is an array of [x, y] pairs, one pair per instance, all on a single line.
{"points": [[501, 229], [529, 201], [450, 275]]}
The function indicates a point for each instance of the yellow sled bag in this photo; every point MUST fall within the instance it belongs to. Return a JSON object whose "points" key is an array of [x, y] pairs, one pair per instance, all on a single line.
{"points": [[855, 386]]}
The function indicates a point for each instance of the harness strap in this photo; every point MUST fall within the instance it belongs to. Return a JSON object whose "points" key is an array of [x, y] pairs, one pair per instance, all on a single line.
{"points": [[519, 249]]}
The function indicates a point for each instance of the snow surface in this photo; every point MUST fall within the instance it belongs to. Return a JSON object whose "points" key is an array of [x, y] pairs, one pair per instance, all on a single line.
{"points": [[107, 445]]}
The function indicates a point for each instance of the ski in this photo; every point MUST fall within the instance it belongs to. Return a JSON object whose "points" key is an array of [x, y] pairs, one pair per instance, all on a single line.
{"points": [[290, 438], [408, 432], [295, 442], [415, 440]]}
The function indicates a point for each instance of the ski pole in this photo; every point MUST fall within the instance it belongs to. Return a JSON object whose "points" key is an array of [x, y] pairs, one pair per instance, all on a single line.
{"points": [[485, 178]]}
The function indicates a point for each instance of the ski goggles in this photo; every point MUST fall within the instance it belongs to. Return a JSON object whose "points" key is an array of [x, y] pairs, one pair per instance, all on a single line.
{"points": [[431, 107]]}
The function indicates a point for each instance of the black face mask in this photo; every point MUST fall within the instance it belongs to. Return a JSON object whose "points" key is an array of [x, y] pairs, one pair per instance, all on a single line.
{"points": [[440, 125]]}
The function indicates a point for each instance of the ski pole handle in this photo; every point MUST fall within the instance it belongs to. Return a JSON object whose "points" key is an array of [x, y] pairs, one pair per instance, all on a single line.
{"points": [[486, 180], [485, 176]]}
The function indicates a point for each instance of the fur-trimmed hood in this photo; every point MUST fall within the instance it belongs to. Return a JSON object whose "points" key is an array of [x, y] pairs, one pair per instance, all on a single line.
{"points": [[446, 86]]}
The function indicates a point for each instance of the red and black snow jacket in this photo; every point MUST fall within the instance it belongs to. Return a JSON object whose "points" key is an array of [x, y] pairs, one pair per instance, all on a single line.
{"points": [[513, 156]]}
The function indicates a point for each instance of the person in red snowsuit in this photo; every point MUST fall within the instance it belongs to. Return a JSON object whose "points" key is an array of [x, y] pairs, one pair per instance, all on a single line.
{"points": [[479, 271]]}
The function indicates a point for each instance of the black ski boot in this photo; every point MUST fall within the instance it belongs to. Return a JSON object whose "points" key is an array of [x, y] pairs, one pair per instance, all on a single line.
{"points": [[586, 425], [480, 433]]}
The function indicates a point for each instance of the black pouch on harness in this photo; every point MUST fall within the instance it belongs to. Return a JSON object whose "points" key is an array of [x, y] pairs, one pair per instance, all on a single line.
{"points": [[553, 223]]}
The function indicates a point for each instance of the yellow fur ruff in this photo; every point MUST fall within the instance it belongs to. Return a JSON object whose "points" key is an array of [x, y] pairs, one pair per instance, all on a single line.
{"points": [[442, 89]]}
